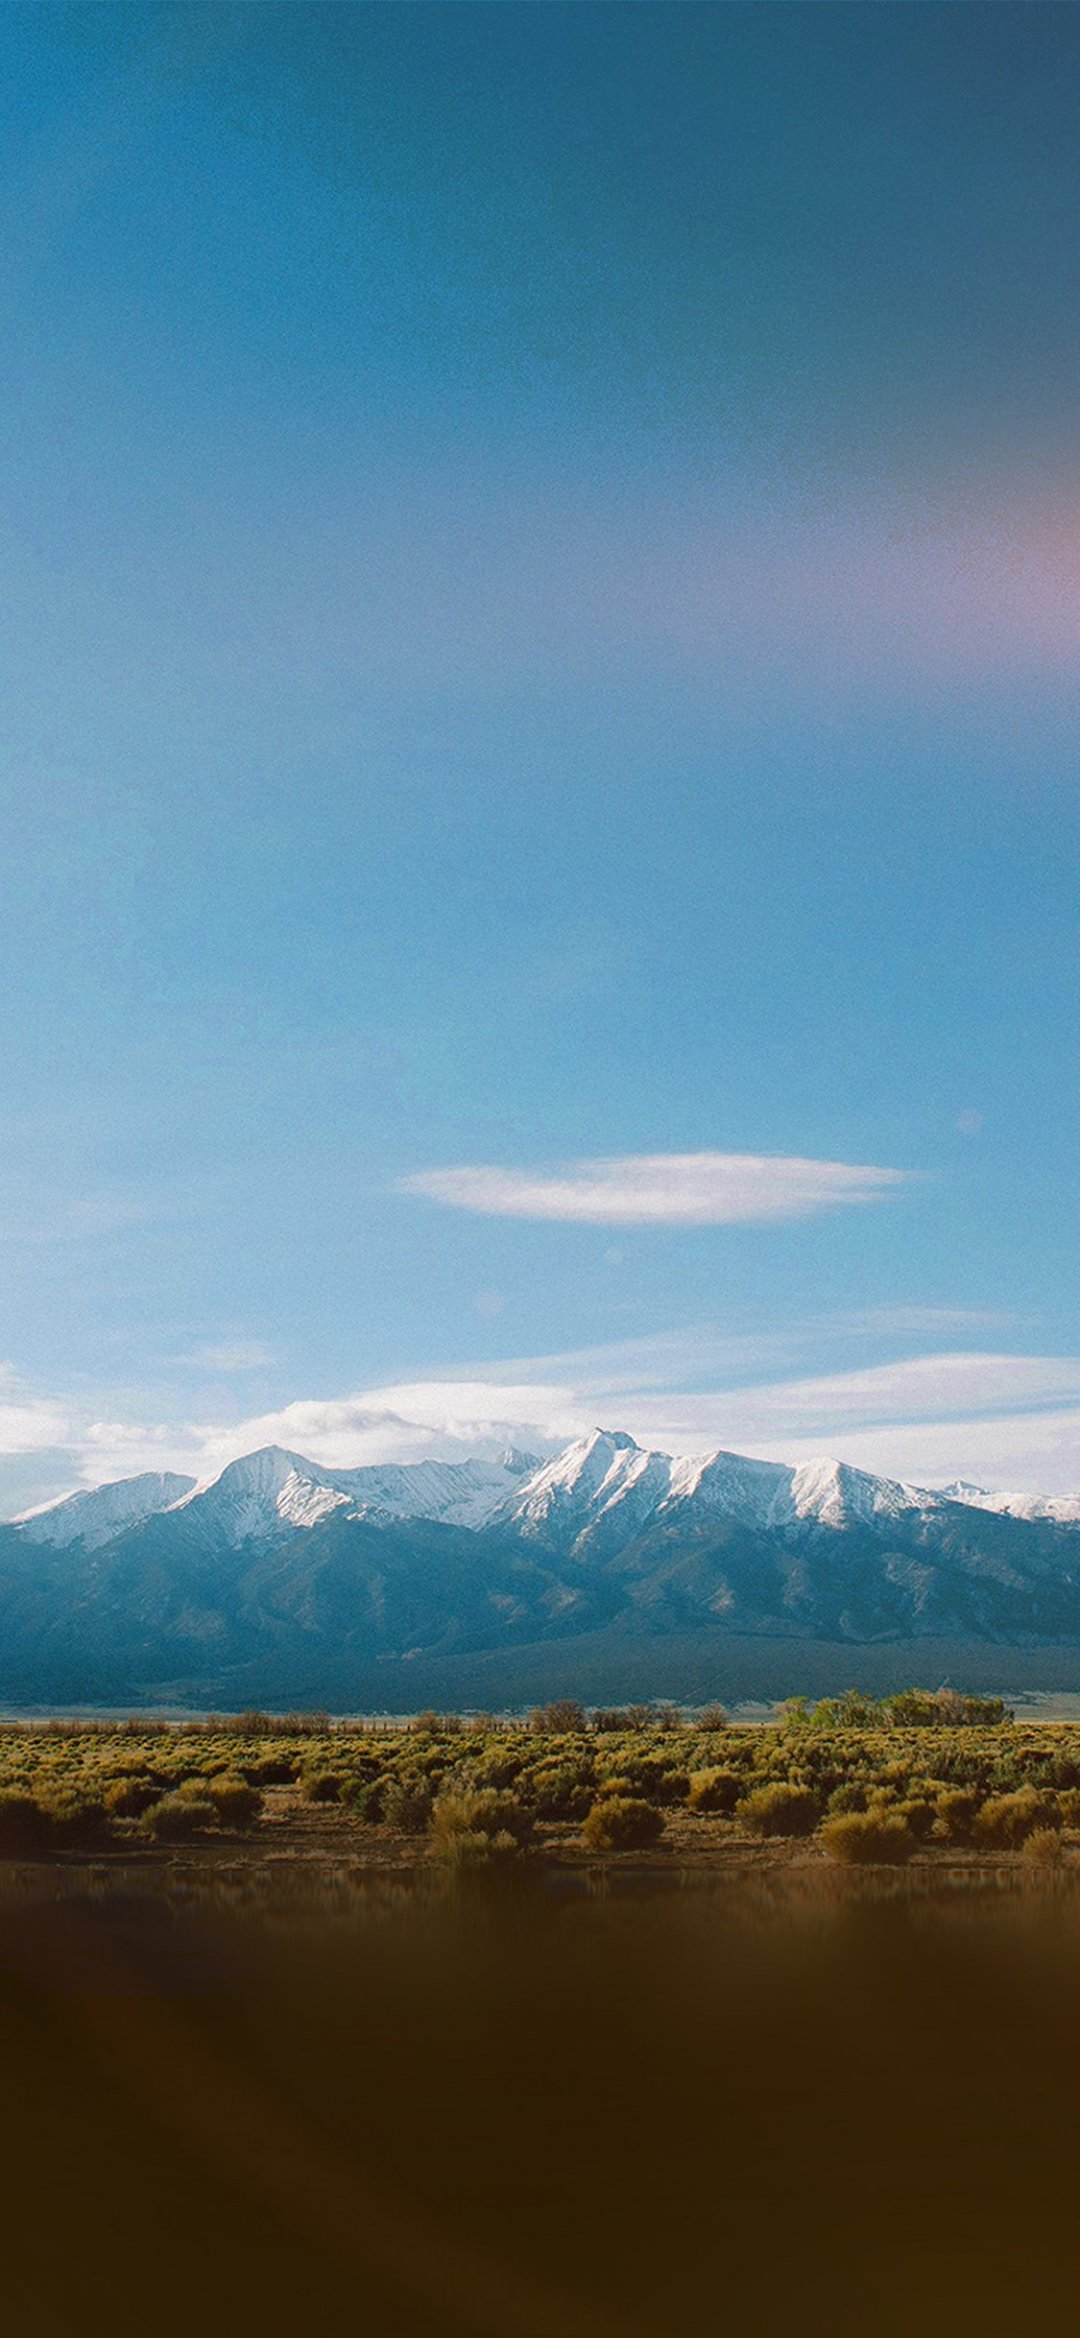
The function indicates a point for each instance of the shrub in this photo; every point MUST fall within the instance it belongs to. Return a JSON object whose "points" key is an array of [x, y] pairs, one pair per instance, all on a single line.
{"points": [[76, 1821], [1006, 1820], [470, 1854], [129, 1797], [779, 1809], [621, 1822], [236, 1802], [24, 1826], [858, 1837], [956, 1810], [271, 1769], [498, 1765], [647, 1775], [459, 1812], [920, 1814], [407, 1804], [851, 1795], [368, 1800], [714, 1790], [1044, 1848], [712, 1717], [322, 1785], [1068, 1803], [563, 1792], [178, 1816]]}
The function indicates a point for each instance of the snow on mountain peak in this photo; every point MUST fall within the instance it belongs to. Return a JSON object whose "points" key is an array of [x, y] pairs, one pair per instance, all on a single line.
{"points": [[96, 1515], [265, 1491], [732, 1485], [594, 1498], [836, 1494], [564, 1489], [1057, 1509]]}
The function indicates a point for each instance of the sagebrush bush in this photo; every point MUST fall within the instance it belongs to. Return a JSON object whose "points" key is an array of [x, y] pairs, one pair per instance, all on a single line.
{"points": [[868, 1837], [563, 1793], [1044, 1848], [407, 1804], [237, 1803], [367, 1800], [851, 1794], [714, 1790], [178, 1816], [920, 1814], [955, 1816], [473, 1855], [486, 1812], [322, 1785], [621, 1822], [778, 1809], [76, 1821], [1006, 1820], [129, 1797], [498, 1765]]}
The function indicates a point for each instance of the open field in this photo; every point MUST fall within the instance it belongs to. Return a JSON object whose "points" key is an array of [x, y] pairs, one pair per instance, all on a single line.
{"points": [[914, 1780]]}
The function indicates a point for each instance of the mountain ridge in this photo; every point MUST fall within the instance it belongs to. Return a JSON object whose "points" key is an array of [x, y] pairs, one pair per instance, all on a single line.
{"points": [[281, 1568]]}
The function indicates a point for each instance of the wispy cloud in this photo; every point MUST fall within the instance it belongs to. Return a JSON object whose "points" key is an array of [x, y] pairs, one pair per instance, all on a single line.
{"points": [[1008, 1420], [955, 1415], [30, 1423], [1019, 1453], [660, 1189]]}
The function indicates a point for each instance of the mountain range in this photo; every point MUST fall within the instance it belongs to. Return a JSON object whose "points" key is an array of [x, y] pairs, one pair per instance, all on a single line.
{"points": [[282, 1578]]}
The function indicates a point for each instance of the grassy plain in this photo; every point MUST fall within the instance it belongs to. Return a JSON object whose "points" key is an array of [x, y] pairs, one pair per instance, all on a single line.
{"points": [[910, 1779]]}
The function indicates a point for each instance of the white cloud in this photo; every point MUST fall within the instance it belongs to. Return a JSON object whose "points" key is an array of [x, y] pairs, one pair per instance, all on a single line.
{"points": [[919, 1388], [30, 1423], [1019, 1453], [1007, 1420], [901, 1322], [413, 1421], [660, 1189], [911, 1409]]}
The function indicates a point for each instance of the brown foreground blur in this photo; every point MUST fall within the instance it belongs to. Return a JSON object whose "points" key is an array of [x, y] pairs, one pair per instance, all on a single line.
{"points": [[832, 2106]]}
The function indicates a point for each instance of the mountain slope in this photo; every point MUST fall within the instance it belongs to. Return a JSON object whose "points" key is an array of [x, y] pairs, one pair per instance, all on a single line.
{"points": [[282, 1569], [270, 1492], [97, 1516]]}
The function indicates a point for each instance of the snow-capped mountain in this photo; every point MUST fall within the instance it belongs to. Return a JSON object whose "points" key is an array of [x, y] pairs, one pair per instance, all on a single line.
{"points": [[603, 1490], [593, 1476], [596, 1496], [1064, 1509], [271, 1491], [282, 1578], [97, 1516]]}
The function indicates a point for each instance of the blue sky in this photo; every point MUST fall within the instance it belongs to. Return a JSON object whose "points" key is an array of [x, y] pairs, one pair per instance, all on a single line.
{"points": [[540, 566]]}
